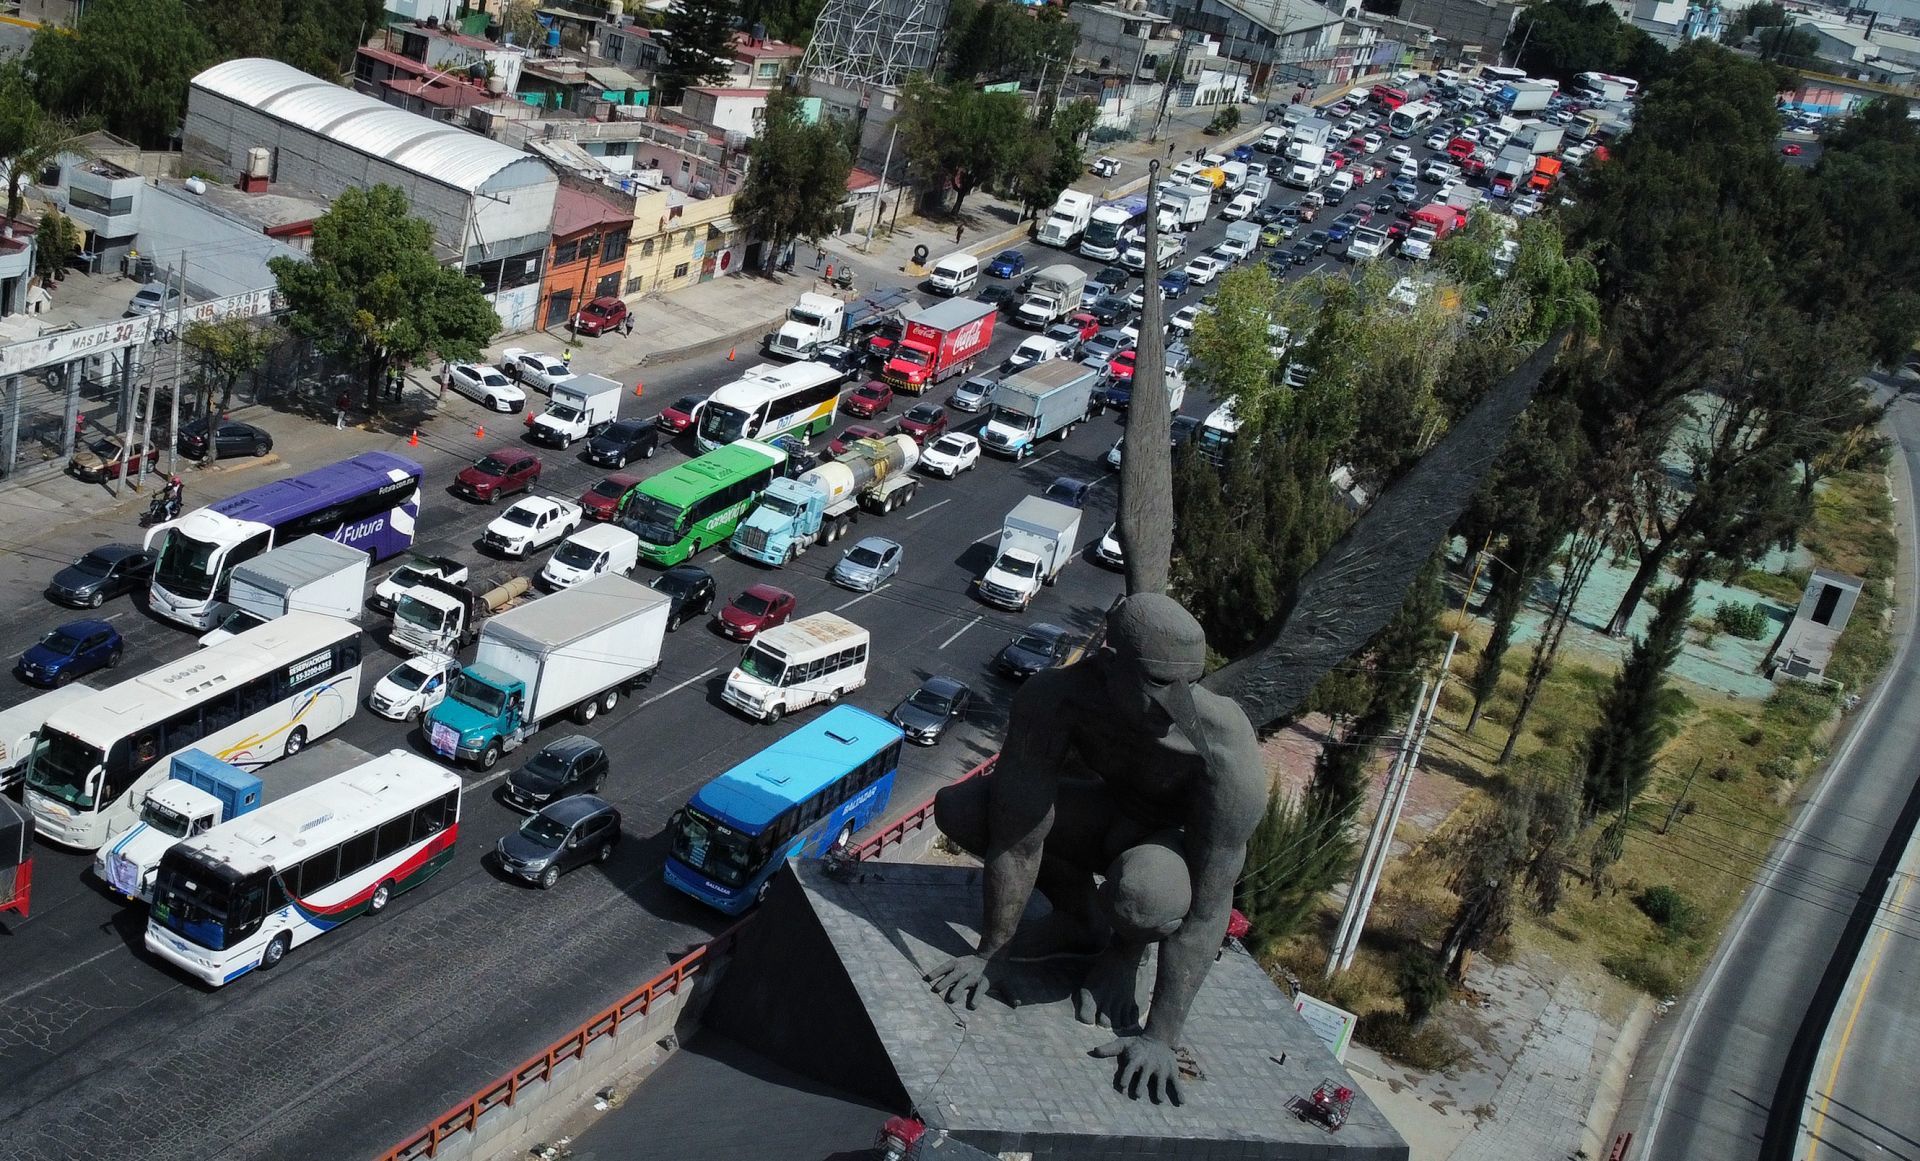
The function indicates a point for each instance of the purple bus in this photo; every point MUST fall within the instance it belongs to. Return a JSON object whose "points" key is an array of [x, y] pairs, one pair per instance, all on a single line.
{"points": [[370, 502]]}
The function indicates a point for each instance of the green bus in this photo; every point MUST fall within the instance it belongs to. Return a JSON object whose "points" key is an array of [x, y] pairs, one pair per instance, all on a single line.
{"points": [[696, 505]]}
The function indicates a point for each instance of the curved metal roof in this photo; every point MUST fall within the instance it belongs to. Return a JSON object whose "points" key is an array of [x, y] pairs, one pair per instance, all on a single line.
{"points": [[436, 151]]}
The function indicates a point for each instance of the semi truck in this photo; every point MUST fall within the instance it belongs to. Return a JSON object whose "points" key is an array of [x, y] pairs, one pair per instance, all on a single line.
{"points": [[578, 408], [313, 575], [574, 653], [820, 319], [439, 616], [1036, 542], [1305, 171], [819, 506], [1067, 221], [1055, 294], [940, 342], [1048, 399], [200, 793]]}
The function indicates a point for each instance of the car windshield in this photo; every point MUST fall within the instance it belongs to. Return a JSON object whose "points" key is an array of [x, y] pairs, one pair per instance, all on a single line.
{"points": [[864, 557], [488, 699], [933, 703], [545, 768], [577, 555], [406, 576], [1034, 643], [676, 583], [525, 517], [408, 677], [543, 831], [904, 354], [93, 564], [685, 403], [1014, 566], [492, 466], [718, 851], [924, 414], [949, 445], [562, 412], [752, 604], [611, 489], [780, 506], [60, 641], [63, 767]]}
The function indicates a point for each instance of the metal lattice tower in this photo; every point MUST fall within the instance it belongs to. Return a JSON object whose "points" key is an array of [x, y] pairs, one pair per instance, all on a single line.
{"points": [[858, 43]]}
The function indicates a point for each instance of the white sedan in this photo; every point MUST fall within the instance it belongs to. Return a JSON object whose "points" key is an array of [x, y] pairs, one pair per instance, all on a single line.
{"points": [[1438, 141], [413, 687], [1204, 269], [1401, 154], [535, 369], [532, 523], [486, 386], [950, 455]]}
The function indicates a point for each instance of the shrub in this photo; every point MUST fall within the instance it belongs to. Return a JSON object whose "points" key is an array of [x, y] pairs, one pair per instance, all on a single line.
{"points": [[1225, 121], [1423, 984], [1748, 622], [1653, 973], [1668, 908], [1429, 1049]]}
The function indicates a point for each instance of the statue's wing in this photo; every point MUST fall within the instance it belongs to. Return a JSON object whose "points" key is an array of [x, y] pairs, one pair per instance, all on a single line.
{"points": [[1351, 593]]}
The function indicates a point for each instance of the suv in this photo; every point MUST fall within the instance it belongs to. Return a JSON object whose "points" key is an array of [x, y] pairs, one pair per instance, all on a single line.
{"points": [[572, 765], [689, 588], [600, 316], [497, 474], [623, 440], [561, 837]]}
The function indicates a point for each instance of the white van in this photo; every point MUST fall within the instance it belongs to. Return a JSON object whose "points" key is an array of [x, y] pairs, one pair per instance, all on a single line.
{"points": [[955, 274], [593, 551], [792, 666]]}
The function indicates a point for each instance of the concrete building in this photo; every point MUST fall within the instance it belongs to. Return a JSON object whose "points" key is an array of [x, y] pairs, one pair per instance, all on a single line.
{"points": [[759, 63], [1285, 40], [730, 111], [1864, 49], [1467, 29], [591, 225], [490, 206], [17, 257], [420, 50], [1674, 22]]}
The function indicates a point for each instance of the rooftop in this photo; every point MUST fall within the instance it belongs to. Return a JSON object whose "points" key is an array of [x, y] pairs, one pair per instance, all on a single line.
{"points": [[723, 91], [576, 211], [746, 46], [441, 92]]}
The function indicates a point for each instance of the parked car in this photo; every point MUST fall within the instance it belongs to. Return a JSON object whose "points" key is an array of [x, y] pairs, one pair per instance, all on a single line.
{"points": [[622, 441], [1069, 491], [1007, 264], [413, 687], [868, 565], [106, 459], [497, 474], [839, 444], [759, 608], [601, 501], [1175, 283], [973, 394], [679, 415], [486, 386], [924, 422], [567, 766], [531, 524], [73, 650], [1037, 647], [559, 838], [535, 369], [232, 439], [106, 572], [950, 455], [153, 298], [600, 316], [690, 591], [925, 714], [868, 400]]}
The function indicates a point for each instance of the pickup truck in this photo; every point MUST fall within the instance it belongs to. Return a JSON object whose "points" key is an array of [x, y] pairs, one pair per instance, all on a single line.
{"points": [[411, 572], [533, 523], [437, 616]]}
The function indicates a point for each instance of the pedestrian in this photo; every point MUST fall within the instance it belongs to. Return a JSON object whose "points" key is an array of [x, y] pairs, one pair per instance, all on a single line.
{"points": [[626, 328], [340, 406], [829, 273], [819, 257], [566, 357], [958, 229], [1170, 148]]}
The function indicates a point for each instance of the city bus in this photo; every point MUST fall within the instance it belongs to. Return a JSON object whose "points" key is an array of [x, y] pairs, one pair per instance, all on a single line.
{"points": [[242, 895], [697, 504], [1595, 86], [1412, 118], [772, 400], [255, 697], [808, 792], [370, 502], [1498, 75]]}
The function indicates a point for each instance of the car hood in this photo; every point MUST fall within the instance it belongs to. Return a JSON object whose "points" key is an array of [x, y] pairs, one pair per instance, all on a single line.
{"points": [[740, 619], [44, 657], [506, 530], [522, 849], [73, 580], [912, 717], [478, 477], [855, 572], [1023, 658]]}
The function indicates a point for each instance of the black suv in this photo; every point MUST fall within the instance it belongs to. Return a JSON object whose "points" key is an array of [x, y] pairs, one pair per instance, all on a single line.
{"points": [[624, 440], [691, 590], [559, 838], [563, 768]]}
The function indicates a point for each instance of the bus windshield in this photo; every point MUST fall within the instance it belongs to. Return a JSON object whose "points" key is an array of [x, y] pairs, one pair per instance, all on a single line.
{"points": [[762, 665], [722, 424], [1104, 233], [63, 768], [186, 564], [488, 699], [716, 850], [654, 520], [191, 903]]}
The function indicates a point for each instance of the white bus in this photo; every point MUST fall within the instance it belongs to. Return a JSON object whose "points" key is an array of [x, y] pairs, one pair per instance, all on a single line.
{"points": [[242, 895], [792, 666], [1412, 118], [1595, 86], [250, 699], [1498, 75], [1218, 431], [771, 400]]}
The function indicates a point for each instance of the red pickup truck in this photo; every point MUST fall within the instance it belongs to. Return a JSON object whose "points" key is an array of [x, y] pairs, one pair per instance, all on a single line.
{"points": [[940, 342]]}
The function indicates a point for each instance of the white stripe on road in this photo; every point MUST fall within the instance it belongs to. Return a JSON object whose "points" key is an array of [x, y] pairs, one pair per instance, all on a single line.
{"points": [[962, 629], [929, 508], [1037, 459], [676, 689], [863, 596]]}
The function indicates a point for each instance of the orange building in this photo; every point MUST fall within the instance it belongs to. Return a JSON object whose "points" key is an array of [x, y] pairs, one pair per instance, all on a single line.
{"points": [[589, 255]]}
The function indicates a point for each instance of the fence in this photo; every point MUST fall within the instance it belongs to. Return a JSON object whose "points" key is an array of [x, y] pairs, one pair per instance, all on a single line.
{"points": [[667, 986]]}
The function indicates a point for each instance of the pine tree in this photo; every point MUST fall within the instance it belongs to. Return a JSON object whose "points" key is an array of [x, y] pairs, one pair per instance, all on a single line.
{"points": [[699, 49], [1637, 716]]}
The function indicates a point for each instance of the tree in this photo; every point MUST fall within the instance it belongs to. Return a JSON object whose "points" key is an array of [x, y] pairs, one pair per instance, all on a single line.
{"points": [[127, 62], [1639, 713], [1512, 850], [243, 27], [798, 176], [29, 136], [699, 47], [788, 20], [959, 137], [371, 290], [54, 246], [227, 348], [1054, 159], [998, 40], [1562, 38]]}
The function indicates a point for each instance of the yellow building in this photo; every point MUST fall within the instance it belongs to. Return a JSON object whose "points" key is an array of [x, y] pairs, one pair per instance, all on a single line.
{"points": [[679, 240]]}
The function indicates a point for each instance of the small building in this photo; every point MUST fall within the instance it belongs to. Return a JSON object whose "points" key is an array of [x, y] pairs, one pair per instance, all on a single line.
{"points": [[759, 63], [679, 240], [740, 111], [591, 224], [1805, 647]]}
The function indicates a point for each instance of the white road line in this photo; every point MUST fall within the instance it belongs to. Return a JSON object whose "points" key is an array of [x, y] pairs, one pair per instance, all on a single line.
{"points": [[116, 949], [929, 508], [865, 595], [1037, 459], [989, 536], [682, 685], [962, 629]]}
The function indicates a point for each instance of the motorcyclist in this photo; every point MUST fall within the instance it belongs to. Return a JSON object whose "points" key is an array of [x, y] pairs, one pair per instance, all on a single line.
{"points": [[175, 496]]}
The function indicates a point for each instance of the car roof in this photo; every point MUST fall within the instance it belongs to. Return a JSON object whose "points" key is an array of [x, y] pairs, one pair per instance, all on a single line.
{"points": [[572, 809], [511, 455], [1045, 629], [689, 571], [876, 543], [767, 592], [83, 627], [114, 552], [570, 746], [943, 685]]}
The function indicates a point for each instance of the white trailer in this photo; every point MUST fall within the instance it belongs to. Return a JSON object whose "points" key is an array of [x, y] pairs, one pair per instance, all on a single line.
{"points": [[574, 645], [1036, 542], [311, 575]]}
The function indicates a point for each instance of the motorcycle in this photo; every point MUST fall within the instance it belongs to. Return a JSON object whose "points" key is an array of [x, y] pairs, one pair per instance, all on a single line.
{"points": [[160, 509]]}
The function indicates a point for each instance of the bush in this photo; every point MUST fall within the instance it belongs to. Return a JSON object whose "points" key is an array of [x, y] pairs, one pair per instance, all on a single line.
{"points": [[1423, 984], [1106, 134], [1429, 1049], [1655, 974], [1225, 121], [1668, 909], [1748, 622]]}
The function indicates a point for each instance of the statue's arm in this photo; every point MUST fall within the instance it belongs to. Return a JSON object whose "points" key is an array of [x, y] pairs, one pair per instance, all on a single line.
{"points": [[1026, 782]]}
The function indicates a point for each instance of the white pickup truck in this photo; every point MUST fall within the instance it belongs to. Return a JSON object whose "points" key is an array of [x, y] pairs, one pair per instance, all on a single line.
{"points": [[533, 523]]}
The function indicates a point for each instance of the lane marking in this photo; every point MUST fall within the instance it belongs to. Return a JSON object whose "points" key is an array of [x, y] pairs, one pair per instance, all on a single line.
{"points": [[676, 689], [116, 949], [1846, 1033], [962, 629], [863, 596], [1037, 459], [929, 508]]}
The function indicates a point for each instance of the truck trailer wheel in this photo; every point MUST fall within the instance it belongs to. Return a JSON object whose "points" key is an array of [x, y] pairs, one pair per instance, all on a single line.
{"points": [[586, 711], [609, 699]]}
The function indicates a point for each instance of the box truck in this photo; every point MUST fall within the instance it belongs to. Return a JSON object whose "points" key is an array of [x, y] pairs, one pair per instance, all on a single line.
{"points": [[313, 575], [1055, 294], [940, 342], [819, 506], [1036, 542], [1037, 402], [580, 407]]}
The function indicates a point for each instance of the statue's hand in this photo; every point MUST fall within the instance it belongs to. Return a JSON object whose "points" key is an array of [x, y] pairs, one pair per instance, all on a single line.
{"points": [[1147, 1067], [963, 977]]}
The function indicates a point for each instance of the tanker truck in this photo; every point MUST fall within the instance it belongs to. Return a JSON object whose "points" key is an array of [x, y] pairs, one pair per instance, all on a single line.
{"points": [[436, 616], [817, 508]]}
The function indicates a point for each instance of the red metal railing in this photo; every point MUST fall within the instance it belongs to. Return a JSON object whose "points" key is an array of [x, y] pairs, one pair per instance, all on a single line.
{"points": [[463, 1117]]}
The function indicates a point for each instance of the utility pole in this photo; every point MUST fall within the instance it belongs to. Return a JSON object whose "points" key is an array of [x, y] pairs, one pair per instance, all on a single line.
{"points": [[1166, 90], [134, 470], [1668, 821], [1351, 917], [173, 396], [880, 195]]}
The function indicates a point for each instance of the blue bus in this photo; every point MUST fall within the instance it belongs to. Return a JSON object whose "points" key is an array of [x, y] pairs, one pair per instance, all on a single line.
{"points": [[797, 798]]}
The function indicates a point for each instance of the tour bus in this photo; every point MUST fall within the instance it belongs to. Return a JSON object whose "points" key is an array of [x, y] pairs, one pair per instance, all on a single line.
{"points": [[1109, 227], [807, 793], [1498, 75], [792, 666], [1411, 119], [771, 400], [248, 700], [242, 895], [370, 502], [1594, 86], [1217, 432], [697, 504]]}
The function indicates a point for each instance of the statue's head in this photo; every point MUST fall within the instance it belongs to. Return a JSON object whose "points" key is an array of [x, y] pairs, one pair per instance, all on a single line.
{"points": [[1160, 650]]}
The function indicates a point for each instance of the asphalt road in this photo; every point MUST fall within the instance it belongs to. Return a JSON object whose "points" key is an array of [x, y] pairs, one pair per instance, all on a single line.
{"points": [[361, 1037], [1731, 1065]]}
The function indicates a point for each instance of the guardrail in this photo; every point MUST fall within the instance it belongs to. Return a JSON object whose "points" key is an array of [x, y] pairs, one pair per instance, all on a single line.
{"points": [[463, 1117]]}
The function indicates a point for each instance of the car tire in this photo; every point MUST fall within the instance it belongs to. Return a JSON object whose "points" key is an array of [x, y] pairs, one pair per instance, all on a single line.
{"points": [[674, 623], [493, 498], [113, 659], [275, 951], [261, 447], [549, 877], [96, 600], [605, 852], [619, 461], [296, 741], [382, 895], [774, 713], [492, 404]]}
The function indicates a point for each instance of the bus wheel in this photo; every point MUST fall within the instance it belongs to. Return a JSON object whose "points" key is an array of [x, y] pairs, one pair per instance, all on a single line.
{"points": [[608, 700], [296, 741], [382, 895], [833, 698], [588, 711], [844, 842], [490, 756], [276, 951]]}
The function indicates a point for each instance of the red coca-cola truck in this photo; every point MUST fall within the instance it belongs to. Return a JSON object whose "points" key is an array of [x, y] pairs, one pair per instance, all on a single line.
{"points": [[940, 342]]}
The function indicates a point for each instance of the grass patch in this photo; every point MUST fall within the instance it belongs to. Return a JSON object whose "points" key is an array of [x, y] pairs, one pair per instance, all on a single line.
{"points": [[1429, 1048], [1783, 587]]}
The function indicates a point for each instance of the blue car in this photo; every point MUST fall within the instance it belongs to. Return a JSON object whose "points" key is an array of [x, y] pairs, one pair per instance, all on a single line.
{"points": [[1243, 153], [73, 650], [1007, 264], [1174, 284]]}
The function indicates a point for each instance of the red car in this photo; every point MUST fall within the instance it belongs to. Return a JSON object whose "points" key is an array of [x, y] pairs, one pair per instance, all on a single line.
{"points": [[1089, 325], [1120, 367], [926, 421], [498, 474], [760, 607], [840, 443], [868, 400], [678, 416], [1790, 150], [602, 501], [600, 316]]}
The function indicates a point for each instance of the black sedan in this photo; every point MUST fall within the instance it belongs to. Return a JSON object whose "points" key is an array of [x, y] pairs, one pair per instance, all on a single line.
{"points": [[622, 441], [1037, 647], [233, 439], [1268, 214], [690, 590], [926, 713], [105, 572], [1111, 310], [999, 295]]}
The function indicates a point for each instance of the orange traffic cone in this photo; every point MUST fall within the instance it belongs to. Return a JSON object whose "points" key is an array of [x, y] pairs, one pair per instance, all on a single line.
{"points": [[639, 389], [413, 438], [480, 432], [729, 354]]}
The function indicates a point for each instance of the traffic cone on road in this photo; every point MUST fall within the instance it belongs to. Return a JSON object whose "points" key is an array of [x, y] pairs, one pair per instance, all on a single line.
{"points": [[729, 354], [413, 438], [639, 389], [480, 432]]}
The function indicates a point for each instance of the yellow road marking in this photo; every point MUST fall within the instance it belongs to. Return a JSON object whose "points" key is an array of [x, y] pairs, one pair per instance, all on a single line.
{"points": [[1846, 1034]]}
